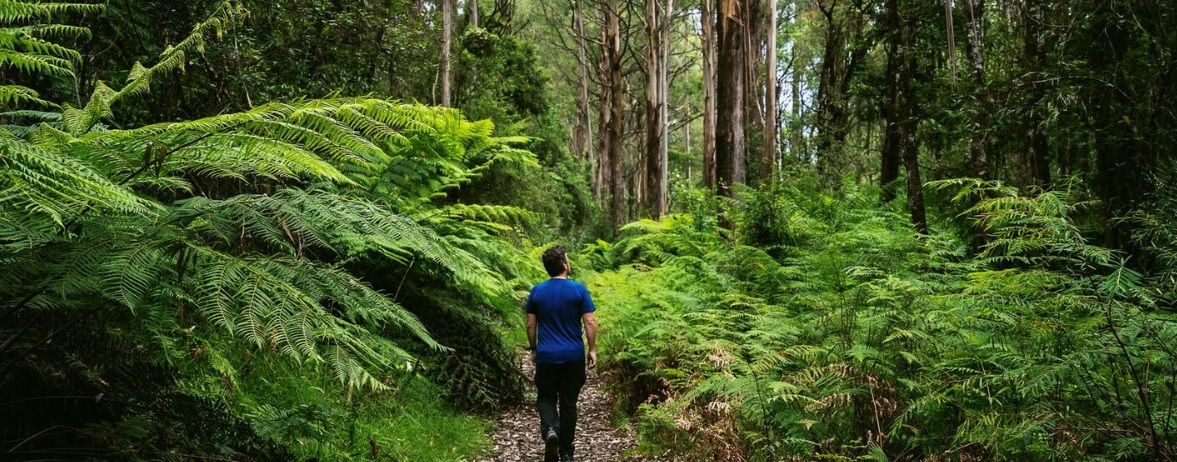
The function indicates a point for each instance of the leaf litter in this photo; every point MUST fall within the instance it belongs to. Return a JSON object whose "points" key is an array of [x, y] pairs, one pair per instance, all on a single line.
{"points": [[516, 433]]}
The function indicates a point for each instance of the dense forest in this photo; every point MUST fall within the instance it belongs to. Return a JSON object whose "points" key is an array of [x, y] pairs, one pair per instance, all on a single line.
{"points": [[889, 230]]}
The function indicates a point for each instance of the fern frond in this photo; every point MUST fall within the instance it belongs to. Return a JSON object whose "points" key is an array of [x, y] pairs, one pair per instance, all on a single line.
{"points": [[78, 122], [56, 185], [15, 11], [35, 63], [15, 95], [265, 300]]}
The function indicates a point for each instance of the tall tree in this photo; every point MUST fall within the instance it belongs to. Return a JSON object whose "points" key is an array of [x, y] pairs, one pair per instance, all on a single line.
{"points": [[1034, 164], [899, 139], [447, 43], [658, 17], [752, 17], [615, 129], [472, 7], [770, 106], [708, 19], [844, 51], [729, 77], [983, 99], [582, 132]]}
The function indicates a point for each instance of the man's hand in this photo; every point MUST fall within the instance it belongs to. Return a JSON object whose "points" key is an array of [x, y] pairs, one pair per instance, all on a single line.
{"points": [[592, 359]]}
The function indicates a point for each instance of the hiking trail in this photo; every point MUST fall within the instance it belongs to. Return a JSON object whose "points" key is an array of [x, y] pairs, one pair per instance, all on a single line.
{"points": [[516, 432]]}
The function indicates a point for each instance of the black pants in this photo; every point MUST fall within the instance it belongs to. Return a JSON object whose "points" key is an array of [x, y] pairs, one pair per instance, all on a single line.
{"points": [[559, 384]]}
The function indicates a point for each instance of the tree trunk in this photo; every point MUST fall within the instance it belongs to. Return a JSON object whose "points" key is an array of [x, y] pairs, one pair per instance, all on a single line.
{"points": [[447, 27], [582, 132], [708, 21], [833, 113], [604, 166], [899, 141], [473, 5], [770, 106], [1123, 161], [797, 147], [752, 18], [617, 107], [664, 113], [890, 159], [729, 124], [1035, 165], [978, 154], [655, 105]]}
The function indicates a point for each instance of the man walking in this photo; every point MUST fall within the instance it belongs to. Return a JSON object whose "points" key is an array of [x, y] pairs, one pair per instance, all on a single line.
{"points": [[555, 310]]}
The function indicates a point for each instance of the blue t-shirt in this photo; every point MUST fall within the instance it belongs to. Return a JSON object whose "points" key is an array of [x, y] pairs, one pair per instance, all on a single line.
{"points": [[558, 305]]}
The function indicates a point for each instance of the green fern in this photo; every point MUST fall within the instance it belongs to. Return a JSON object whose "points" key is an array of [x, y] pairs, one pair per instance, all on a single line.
{"points": [[263, 267], [25, 33]]}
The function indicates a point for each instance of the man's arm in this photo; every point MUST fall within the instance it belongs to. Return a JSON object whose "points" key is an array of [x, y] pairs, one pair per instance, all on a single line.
{"points": [[590, 330], [531, 331]]}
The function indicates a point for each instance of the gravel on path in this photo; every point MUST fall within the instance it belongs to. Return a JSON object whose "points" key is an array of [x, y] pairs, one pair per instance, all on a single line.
{"points": [[516, 433]]}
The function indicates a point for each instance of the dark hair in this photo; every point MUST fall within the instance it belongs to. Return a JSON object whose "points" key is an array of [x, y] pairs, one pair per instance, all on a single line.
{"points": [[554, 259]]}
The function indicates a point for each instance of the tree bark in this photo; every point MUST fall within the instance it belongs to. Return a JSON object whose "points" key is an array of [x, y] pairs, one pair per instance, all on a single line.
{"points": [[978, 154], [664, 139], [1035, 163], [708, 21], [657, 133], [899, 140], [890, 160], [617, 108], [582, 132], [655, 104], [447, 42], [604, 167], [729, 124], [770, 106], [753, 20]]}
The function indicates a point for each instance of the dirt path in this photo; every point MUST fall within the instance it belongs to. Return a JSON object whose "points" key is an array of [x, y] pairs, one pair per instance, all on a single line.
{"points": [[516, 432]]}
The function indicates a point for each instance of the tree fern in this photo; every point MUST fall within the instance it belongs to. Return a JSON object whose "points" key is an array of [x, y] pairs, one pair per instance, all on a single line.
{"points": [[78, 121], [241, 244], [26, 32], [260, 266]]}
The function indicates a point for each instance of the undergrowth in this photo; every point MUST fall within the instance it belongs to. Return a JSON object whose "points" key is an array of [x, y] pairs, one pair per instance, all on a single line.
{"points": [[303, 409], [824, 328]]}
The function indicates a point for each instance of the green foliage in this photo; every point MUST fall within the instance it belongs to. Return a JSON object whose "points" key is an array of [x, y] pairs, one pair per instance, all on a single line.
{"points": [[849, 337], [250, 249], [303, 408], [497, 73], [27, 47]]}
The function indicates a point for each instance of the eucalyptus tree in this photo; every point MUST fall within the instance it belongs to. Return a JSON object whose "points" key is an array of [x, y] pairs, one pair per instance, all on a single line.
{"points": [[659, 18], [612, 131], [447, 45], [772, 123], [707, 32], [730, 151]]}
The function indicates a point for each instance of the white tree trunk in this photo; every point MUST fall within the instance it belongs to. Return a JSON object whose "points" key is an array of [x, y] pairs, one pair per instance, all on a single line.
{"points": [[770, 113], [447, 26]]}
